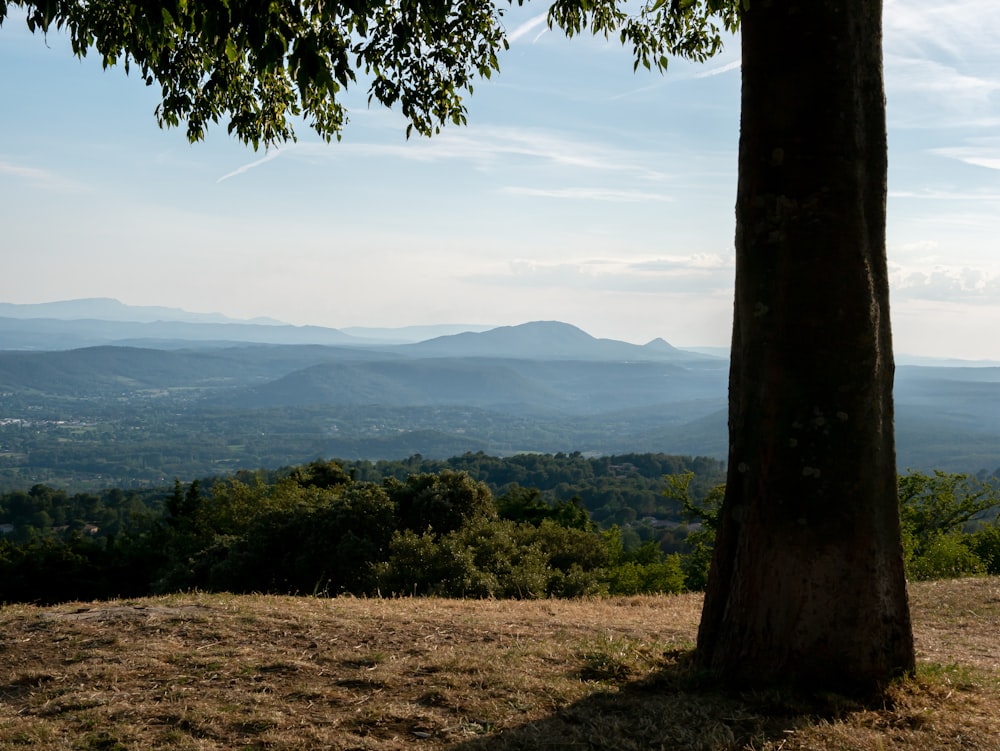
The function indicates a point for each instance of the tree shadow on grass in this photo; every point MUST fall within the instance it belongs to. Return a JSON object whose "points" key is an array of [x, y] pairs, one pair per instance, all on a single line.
{"points": [[672, 709]]}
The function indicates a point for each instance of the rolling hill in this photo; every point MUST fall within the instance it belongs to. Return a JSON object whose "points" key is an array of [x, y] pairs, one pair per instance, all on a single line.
{"points": [[232, 394]]}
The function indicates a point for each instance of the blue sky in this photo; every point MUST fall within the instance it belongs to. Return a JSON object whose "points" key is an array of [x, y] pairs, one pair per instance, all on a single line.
{"points": [[578, 192]]}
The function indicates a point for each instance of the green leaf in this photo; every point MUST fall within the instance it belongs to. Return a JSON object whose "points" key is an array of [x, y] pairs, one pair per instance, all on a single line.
{"points": [[231, 51]]}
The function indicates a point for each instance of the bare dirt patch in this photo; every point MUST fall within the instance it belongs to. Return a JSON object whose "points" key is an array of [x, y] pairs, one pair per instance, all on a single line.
{"points": [[127, 612]]}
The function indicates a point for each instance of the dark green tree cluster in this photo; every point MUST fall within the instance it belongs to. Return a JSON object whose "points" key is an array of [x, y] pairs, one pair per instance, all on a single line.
{"points": [[44, 509], [58, 546], [315, 529], [618, 489]]}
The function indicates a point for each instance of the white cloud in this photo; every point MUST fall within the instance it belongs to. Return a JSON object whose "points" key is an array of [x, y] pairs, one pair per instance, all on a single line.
{"points": [[590, 194], [989, 163], [683, 70], [941, 63], [692, 275], [525, 28], [718, 70], [490, 147], [978, 152], [493, 144], [949, 195], [963, 30], [945, 223], [696, 261], [273, 153], [946, 83], [943, 283], [39, 177]]}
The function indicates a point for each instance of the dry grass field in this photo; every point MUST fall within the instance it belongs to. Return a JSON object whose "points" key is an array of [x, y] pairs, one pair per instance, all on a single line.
{"points": [[256, 672]]}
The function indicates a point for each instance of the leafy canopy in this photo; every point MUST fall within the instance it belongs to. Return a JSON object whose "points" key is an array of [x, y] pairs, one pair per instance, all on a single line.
{"points": [[265, 64]]}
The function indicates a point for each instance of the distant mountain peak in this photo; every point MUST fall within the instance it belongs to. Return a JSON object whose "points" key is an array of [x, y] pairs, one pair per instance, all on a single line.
{"points": [[544, 340], [660, 344], [539, 329]]}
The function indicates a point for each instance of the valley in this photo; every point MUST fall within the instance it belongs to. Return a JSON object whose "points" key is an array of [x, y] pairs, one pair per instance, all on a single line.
{"points": [[207, 400]]}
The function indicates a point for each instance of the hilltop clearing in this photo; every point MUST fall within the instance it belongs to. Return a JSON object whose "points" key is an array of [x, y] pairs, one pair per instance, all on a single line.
{"points": [[223, 672]]}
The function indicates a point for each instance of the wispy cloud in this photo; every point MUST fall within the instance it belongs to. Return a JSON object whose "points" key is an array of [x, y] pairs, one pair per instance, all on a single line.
{"points": [[694, 262], [494, 145], [39, 177], [589, 194], [979, 152], [948, 84], [498, 147], [720, 69], [980, 161], [697, 274], [272, 153], [962, 30], [489, 148], [941, 64], [941, 195], [535, 22], [690, 71]]}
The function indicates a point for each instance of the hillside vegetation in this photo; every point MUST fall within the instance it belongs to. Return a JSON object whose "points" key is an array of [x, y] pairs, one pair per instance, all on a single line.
{"points": [[204, 672], [634, 524]]}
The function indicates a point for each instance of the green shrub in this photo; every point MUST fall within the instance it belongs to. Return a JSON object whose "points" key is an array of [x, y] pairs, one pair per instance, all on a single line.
{"points": [[441, 503], [411, 568], [985, 543], [577, 582], [632, 578], [945, 557]]}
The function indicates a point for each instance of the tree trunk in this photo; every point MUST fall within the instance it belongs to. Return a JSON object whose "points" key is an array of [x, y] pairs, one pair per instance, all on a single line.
{"points": [[807, 584]]}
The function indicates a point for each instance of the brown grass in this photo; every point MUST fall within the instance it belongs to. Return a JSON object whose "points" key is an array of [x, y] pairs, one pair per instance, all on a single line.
{"points": [[226, 672]]}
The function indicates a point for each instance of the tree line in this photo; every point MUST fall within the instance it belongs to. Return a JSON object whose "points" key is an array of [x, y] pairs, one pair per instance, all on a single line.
{"points": [[463, 528], [314, 529]]}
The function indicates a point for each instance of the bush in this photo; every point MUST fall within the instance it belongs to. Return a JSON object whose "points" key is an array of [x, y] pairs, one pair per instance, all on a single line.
{"points": [[441, 503], [496, 558], [330, 542], [985, 543], [411, 568], [945, 557], [631, 578]]}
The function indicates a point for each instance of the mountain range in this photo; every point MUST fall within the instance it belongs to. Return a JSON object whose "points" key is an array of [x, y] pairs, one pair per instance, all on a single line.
{"points": [[109, 309], [165, 378], [73, 324]]}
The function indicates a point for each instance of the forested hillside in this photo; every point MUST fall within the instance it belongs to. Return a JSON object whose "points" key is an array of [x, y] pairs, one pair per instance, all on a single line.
{"points": [[130, 417]]}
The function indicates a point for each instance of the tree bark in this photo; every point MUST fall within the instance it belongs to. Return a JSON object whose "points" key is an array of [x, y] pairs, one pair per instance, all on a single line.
{"points": [[807, 584]]}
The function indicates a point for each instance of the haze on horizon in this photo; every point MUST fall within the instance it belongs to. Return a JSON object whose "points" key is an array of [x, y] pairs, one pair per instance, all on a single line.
{"points": [[579, 192]]}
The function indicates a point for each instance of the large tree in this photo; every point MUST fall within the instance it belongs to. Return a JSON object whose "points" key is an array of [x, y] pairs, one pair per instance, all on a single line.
{"points": [[807, 584]]}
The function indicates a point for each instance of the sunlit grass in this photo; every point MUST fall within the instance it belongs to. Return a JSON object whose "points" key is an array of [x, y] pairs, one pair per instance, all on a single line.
{"points": [[223, 672]]}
